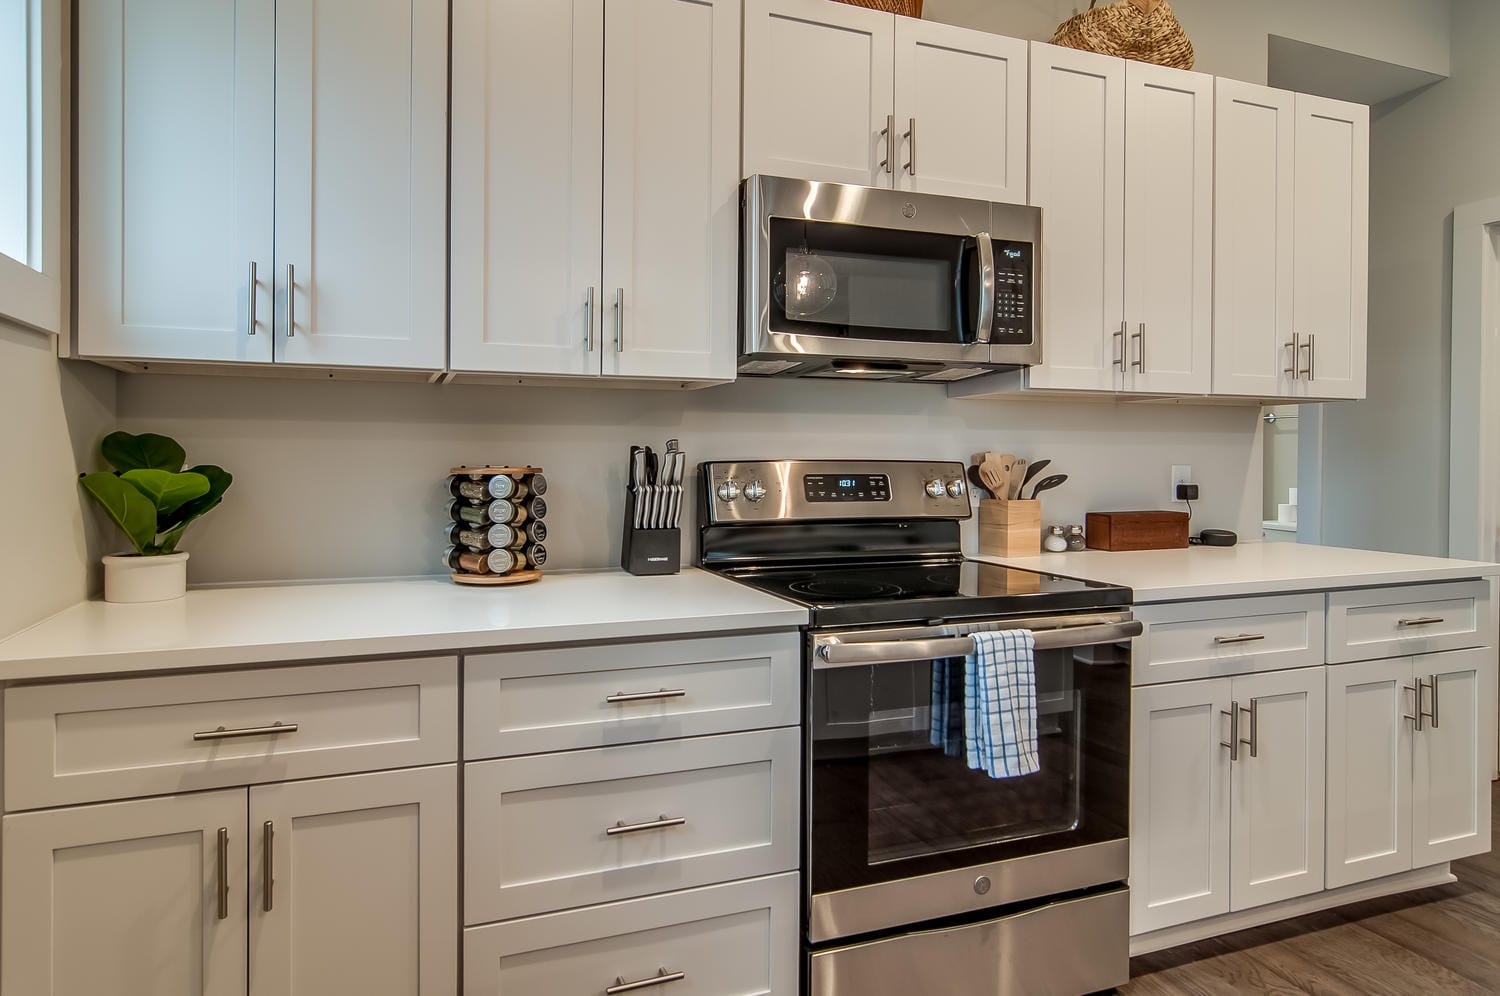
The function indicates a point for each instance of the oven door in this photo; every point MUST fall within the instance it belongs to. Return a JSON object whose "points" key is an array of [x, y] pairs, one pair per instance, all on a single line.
{"points": [[902, 830]]}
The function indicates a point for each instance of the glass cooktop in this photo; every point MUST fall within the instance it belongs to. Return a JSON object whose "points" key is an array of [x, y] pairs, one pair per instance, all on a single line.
{"points": [[854, 594]]}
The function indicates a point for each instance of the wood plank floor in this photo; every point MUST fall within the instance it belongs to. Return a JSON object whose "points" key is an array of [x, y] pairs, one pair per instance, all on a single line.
{"points": [[1440, 940]]}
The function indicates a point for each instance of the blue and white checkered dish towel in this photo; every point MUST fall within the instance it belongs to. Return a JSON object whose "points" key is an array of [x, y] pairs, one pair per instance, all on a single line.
{"points": [[1000, 704]]}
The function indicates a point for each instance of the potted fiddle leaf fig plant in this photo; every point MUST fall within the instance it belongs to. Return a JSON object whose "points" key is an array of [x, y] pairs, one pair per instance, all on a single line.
{"points": [[153, 500]]}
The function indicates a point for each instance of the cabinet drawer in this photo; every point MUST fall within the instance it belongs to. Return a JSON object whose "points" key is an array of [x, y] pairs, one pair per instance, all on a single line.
{"points": [[1418, 619], [738, 939], [1208, 639], [115, 739], [549, 700], [554, 831]]}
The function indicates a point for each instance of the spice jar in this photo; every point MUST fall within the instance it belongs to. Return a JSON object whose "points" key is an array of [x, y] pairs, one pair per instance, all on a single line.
{"points": [[1076, 540], [1055, 541]]}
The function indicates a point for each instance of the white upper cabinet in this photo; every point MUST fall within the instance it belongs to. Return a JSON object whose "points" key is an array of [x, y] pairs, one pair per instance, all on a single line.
{"points": [[1332, 246], [1169, 202], [671, 189], [1254, 132], [140, 898], [595, 212], [361, 178], [175, 180], [528, 182], [819, 92], [960, 111], [1078, 180]]}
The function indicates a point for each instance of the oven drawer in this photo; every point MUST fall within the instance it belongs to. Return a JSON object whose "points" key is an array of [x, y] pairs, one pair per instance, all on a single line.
{"points": [[545, 832], [738, 939], [1417, 619], [94, 740], [1217, 637], [531, 702], [1067, 947]]}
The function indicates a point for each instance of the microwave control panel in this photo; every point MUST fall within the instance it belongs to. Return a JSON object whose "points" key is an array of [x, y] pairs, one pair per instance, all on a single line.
{"points": [[1014, 287]]}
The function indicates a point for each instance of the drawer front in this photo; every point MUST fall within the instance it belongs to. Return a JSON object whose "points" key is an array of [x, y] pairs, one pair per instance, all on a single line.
{"points": [[1376, 623], [1188, 640], [532, 702], [95, 740], [683, 813], [738, 939]]}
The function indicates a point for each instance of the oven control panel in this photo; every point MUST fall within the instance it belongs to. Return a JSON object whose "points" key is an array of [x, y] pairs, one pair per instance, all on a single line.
{"points": [[796, 490]]}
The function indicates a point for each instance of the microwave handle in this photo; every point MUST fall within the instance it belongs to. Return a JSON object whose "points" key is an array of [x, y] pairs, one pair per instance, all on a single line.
{"points": [[986, 286]]}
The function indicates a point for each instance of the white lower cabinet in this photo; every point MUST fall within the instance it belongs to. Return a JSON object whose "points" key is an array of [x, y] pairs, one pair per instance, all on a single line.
{"points": [[1216, 827], [140, 898], [740, 939], [1408, 746]]}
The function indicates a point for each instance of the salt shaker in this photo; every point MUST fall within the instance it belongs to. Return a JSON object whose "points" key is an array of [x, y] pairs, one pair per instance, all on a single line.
{"points": [[1076, 539], [1055, 541]]}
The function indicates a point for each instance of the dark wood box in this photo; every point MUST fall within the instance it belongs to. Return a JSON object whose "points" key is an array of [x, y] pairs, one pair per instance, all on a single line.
{"points": [[1137, 530]]}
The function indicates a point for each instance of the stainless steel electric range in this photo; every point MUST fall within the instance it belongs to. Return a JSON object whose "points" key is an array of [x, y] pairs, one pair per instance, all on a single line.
{"points": [[922, 875]]}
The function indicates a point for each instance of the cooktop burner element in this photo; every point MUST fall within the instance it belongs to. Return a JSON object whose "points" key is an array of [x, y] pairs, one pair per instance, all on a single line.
{"points": [[835, 588]]}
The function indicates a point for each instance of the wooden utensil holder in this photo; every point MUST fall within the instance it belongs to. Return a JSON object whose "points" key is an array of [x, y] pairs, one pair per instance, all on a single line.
{"points": [[1010, 527]]}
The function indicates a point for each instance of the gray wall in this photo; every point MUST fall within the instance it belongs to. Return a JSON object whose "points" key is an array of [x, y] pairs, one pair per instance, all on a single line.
{"points": [[1281, 458], [1386, 459]]}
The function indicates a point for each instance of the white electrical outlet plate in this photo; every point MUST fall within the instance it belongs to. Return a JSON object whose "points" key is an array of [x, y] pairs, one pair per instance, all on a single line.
{"points": [[1181, 474]]}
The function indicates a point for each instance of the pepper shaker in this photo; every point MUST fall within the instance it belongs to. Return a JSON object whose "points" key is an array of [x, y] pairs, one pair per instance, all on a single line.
{"points": [[1076, 540]]}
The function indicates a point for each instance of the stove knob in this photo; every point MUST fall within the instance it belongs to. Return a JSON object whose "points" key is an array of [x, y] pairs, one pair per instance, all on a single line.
{"points": [[729, 491], [755, 491], [936, 488], [955, 488]]}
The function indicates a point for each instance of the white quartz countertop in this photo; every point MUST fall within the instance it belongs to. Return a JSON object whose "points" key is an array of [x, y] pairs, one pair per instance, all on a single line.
{"points": [[1247, 569], [227, 626]]}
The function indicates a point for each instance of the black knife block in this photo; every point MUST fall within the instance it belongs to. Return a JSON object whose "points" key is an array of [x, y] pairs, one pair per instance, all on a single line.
{"points": [[649, 551]]}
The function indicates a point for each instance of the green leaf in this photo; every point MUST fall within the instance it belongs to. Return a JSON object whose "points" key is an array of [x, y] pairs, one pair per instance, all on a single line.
{"points": [[170, 538], [132, 511], [167, 491], [148, 451], [219, 480]]}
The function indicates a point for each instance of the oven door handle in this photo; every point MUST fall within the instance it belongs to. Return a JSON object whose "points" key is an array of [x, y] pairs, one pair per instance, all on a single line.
{"points": [[836, 654]]}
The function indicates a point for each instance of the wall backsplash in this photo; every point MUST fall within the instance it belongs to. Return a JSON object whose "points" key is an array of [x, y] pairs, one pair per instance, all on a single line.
{"points": [[336, 480]]}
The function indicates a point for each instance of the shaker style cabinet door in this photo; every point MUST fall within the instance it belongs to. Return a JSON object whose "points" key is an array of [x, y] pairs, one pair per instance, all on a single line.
{"points": [[361, 182], [1369, 772], [671, 193], [818, 92], [175, 179], [528, 181], [141, 898], [354, 885], [1276, 794], [943, 73], [1078, 180], [1169, 204], [1332, 246], [1179, 809], [1254, 129], [1451, 756]]}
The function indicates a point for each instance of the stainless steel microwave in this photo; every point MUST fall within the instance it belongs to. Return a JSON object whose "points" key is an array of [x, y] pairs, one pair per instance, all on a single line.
{"points": [[858, 282]]}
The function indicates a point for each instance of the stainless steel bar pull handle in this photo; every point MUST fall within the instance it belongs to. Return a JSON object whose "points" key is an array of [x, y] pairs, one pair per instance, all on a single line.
{"points": [[291, 300], [223, 888], [1120, 342], [219, 733], [1139, 363], [1233, 743], [662, 822], [268, 865], [1416, 720], [911, 146], [1312, 357], [660, 693], [661, 978], [1254, 742], [1421, 621], [1296, 347], [619, 319], [588, 321], [1307, 348], [254, 284], [1428, 684], [985, 327], [889, 134], [1240, 638]]}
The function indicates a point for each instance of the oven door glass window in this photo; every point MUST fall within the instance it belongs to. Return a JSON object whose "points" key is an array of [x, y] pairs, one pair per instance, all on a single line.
{"points": [[891, 794], [854, 282]]}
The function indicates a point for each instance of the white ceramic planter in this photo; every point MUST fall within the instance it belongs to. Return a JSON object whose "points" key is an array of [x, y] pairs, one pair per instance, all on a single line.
{"points": [[129, 577]]}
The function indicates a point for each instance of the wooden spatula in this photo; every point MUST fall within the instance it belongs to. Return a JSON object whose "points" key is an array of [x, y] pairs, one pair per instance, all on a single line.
{"points": [[1017, 475], [995, 472]]}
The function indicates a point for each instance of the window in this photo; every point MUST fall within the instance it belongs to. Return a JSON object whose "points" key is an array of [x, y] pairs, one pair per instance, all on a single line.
{"points": [[31, 186]]}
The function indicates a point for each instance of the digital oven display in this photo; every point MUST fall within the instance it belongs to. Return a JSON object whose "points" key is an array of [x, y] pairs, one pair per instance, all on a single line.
{"points": [[847, 487]]}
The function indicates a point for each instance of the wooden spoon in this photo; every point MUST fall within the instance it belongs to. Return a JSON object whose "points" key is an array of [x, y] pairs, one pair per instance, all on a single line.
{"points": [[1017, 475]]}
